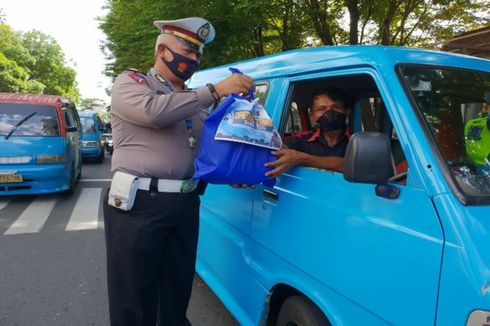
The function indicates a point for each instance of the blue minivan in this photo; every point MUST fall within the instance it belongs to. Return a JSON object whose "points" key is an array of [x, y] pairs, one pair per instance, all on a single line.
{"points": [[401, 237], [39, 144], [92, 140]]}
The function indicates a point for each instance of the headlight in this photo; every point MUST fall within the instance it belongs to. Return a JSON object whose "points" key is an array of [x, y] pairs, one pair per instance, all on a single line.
{"points": [[478, 318], [49, 159], [91, 144], [15, 159]]}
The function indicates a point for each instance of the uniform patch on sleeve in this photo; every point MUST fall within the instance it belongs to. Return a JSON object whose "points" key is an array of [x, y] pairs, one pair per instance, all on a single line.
{"points": [[137, 77]]}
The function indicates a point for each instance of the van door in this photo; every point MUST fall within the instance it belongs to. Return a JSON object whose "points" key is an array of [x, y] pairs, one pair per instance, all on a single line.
{"points": [[226, 217], [73, 136], [337, 240]]}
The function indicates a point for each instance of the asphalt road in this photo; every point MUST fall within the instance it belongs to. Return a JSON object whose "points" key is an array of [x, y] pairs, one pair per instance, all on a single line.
{"points": [[52, 260]]}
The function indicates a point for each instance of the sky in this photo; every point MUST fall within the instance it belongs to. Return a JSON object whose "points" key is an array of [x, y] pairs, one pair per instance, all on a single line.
{"points": [[72, 23]]}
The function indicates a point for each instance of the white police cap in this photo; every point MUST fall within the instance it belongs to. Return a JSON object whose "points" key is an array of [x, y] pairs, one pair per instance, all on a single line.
{"points": [[195, 31]]}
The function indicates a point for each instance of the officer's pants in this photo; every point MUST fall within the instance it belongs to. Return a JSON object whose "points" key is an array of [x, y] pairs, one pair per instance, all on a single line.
{"points": [[151, 255]]}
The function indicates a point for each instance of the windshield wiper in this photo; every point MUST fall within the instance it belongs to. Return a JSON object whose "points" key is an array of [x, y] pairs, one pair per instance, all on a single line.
{"points": [[14, 128]]}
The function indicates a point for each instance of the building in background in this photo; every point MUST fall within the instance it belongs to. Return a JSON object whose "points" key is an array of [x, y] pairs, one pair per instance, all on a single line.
{"points": [[475, 43]]}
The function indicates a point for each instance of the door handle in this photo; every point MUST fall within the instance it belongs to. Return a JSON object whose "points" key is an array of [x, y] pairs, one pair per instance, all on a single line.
{"points": [[271, 194]]}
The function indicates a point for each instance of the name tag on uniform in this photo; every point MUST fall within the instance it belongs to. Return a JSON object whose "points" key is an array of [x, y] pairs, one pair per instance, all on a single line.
{"points": [[123, 190]]}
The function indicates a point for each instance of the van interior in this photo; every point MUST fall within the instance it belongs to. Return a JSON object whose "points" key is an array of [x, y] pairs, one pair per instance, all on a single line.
{"points": [[368, 113]]}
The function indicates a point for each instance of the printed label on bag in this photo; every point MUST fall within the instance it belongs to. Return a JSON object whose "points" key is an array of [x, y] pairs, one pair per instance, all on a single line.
{"points": [[248, 122]]}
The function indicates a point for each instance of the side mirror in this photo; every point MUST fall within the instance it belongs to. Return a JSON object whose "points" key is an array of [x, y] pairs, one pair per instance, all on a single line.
{"points": [[368, 159], [71, 129]]}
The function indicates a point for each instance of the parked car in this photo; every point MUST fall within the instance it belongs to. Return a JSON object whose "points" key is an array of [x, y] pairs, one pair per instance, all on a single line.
{"points": [[92, 140], [39, 144], [374, 245]]}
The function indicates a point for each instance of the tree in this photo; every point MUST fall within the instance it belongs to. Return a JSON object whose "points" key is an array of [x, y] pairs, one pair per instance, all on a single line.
{"points": [[14, 77], [2, 16], [34, 63], [251, 28], [49, 67], [415, 22], [92, 103]]}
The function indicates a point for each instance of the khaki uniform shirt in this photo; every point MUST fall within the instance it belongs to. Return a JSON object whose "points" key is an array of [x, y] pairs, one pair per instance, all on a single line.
{"points": [[149, 131]]}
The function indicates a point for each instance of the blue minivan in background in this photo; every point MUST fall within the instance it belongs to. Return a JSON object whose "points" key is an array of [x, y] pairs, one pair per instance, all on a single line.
{"points": [[401, 236], [39, 144], [91, 137]]}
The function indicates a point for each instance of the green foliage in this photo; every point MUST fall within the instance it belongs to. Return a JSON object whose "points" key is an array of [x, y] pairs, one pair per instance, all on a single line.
{"points": [[91, 103], [49, 67], [34, 63], [12, 47], [14, 78], [251, 28]]}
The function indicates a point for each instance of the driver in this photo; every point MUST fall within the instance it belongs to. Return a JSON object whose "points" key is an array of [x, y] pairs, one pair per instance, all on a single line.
{"points": [[323, 148]]}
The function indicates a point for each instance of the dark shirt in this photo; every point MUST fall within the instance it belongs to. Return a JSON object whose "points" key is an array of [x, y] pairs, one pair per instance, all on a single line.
{"points": [[312, 143]]}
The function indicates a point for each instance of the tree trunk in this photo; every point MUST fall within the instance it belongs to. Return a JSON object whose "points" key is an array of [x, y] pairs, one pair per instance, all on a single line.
{"points": [[319, 20], [353, 8], [385, 28], [259, 42]]}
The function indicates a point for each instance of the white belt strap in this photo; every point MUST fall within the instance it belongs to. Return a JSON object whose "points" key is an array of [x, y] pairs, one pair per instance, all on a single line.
{"points": [[167, 185]]}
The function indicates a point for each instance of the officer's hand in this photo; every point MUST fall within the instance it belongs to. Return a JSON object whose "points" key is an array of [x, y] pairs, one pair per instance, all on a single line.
{"points": [[235, 84], [286, 158]]}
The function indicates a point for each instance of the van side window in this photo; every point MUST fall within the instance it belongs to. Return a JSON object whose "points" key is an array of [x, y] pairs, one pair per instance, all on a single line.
{"points": [[294, 121], [367, 113], [261, 92], [69, 119]]}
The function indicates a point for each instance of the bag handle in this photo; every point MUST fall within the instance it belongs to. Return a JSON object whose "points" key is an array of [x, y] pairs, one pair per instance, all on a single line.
{"points": [[250, 96]]}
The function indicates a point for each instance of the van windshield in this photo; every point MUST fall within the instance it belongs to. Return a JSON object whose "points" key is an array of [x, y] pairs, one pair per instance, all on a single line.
{"points": [[454, 104], [28, 120], [88, 125]]}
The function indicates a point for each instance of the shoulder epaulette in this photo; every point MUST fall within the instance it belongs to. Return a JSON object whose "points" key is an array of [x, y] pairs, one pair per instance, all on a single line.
{"points": [[134, 70], [136, 75]]}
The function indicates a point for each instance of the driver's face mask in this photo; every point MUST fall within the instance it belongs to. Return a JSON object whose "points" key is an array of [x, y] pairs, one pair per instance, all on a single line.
{"points": [[332, 120]]}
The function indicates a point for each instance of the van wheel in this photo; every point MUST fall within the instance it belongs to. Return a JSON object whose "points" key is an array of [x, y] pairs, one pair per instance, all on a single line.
{"points": [[300, 311], [100, 159], [71, 189]]}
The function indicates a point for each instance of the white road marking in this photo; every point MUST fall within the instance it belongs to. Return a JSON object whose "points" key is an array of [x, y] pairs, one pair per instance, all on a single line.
{"points": [[95, 180], [33, 217], [4, 202], [85, 215]]}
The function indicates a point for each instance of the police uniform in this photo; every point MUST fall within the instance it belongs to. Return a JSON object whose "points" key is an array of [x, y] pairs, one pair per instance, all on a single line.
{"points": [[314, 144], [477, 135], [151, 249]]}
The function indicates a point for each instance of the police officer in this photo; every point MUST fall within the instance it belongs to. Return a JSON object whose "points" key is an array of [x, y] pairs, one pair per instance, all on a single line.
{"points": [[156, 124], [477, 136], [323, 148]]}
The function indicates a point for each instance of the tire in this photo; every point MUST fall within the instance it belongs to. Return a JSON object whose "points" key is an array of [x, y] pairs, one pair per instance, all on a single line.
{"points": [[73, 181], [300, 311], [100, 159]]}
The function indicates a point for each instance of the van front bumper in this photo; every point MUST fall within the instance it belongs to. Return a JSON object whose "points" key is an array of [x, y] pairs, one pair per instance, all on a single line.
{"points": [[37, 179], [91, 152]]}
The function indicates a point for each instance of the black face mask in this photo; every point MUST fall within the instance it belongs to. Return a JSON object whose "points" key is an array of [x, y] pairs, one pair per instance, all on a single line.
{"points": [[332, 120], [181, 66]]}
